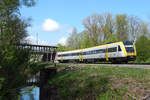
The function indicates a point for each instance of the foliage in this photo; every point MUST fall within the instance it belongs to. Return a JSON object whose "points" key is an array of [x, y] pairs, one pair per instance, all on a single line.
{"points": [[61, 47], [111, 39], [12, 27], [122, 25], [133, 27], [93, 27], [14, 62], [72, 40], [143, 49], [86, 41]]}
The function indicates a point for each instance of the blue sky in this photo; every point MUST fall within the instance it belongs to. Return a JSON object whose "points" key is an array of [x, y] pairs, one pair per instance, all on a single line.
{"points": [[54, 19]]}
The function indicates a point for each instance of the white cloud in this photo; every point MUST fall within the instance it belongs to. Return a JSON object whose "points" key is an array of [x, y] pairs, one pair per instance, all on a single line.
{"points": [[50, 25], [62, 40]]}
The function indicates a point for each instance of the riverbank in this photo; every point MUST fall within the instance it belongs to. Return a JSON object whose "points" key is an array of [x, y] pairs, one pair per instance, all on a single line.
{"points": [[89, 82]]}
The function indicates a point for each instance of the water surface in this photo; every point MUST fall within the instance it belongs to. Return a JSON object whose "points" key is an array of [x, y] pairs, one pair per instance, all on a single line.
{"points": [[30, 93]]}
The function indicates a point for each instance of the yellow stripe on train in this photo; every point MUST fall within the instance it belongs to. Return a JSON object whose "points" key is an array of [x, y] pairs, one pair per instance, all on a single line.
{"points": [[131, 54]]}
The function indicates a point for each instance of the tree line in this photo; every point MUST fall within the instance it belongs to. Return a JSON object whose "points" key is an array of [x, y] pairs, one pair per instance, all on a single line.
{"points": [[103, 28]]}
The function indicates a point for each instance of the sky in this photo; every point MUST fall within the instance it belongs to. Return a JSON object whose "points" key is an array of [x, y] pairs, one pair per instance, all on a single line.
{"points": [[53, 20]]}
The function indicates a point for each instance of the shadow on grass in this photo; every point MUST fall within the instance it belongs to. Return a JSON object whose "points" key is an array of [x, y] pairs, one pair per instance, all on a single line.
{"points": [[79, 85]]}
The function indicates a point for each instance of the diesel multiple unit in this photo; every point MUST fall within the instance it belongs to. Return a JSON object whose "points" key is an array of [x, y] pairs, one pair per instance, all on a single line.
{"points": [[115, 52]]}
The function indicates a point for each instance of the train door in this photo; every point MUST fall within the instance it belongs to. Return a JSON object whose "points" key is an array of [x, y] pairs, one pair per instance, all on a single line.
{"points": [[106, 53], [119, 51], [80, 56]]}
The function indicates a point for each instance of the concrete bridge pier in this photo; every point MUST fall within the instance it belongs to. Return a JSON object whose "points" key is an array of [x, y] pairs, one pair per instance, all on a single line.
{"points": [[45, 88]]}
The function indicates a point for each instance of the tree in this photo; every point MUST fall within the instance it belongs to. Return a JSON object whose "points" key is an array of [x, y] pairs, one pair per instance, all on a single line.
{"points": [[15, 66], [10, 21], [93, 26], [61, 47], [143, 48], [15, 63], [108, 26], [143, 29], [112, 38], [100, 27], [122, 27], [86, 41], [133, 26], [72, 40]]}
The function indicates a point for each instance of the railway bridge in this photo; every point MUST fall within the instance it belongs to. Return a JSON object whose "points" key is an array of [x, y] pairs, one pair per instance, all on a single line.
{"points": [[47, 52]]}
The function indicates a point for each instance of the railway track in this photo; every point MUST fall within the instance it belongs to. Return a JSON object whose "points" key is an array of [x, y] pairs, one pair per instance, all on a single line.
{"points": [[131, 65], [127, 63]]}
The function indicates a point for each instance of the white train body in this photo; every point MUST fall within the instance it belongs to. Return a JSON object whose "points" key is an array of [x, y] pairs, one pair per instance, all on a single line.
{"points": [[115, 52]]}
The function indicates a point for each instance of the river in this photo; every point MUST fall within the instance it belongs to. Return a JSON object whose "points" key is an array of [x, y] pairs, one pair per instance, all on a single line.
{"points": [[30, 93]]}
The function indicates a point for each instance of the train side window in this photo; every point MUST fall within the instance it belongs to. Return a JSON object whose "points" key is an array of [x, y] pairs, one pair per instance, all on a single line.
{"points": [[114, 49], [93, 51], [109, 49], [84, 53], [76, 54], [100, 51], [73, 54], [119, 48], [104, 50]]}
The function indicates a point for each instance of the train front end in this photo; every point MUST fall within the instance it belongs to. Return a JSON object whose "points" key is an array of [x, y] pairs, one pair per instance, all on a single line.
{"points": [[130, 50]]}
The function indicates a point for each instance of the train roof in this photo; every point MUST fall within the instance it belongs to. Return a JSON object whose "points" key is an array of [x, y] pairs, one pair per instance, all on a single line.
{"points": [[79, 50]]}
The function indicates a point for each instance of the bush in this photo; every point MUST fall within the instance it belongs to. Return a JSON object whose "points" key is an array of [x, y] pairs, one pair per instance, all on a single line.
{"points": [[143, 49]]}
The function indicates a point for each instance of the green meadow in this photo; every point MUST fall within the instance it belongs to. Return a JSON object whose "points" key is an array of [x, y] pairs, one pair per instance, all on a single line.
{"points": [[90, 82]]}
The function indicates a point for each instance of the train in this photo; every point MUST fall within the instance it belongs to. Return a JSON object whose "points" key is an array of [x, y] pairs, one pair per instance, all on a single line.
{"points": [[114, 52]]}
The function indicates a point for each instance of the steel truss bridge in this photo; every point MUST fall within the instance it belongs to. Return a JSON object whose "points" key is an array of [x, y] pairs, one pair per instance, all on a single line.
{"points": [[47, 52]]}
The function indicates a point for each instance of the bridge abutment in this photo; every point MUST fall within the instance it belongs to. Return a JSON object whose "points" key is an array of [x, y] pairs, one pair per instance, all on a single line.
{"points": [[45, 88]]}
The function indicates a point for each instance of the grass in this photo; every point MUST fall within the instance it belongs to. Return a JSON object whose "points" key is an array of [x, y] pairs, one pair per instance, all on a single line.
{"points": [[89, 82]]}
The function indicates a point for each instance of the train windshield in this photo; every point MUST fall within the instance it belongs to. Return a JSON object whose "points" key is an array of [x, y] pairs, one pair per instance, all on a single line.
{"points": [[127, 42], [129, 49], [128, 46]]}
